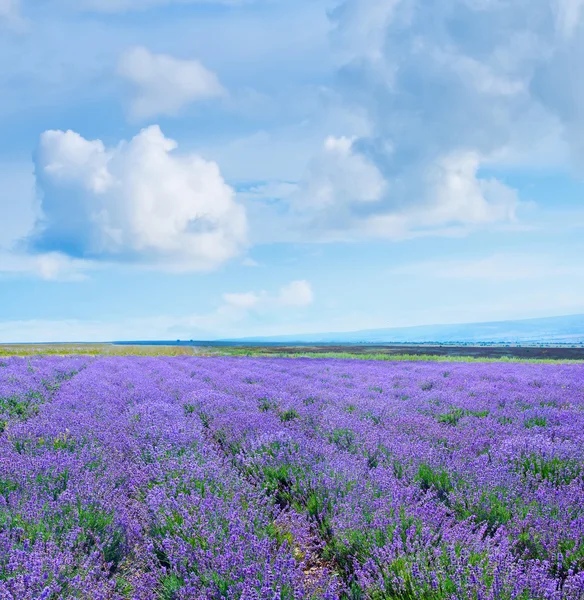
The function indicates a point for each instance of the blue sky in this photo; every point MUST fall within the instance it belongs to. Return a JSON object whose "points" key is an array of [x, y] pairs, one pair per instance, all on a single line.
{"points": [[208, 169]]}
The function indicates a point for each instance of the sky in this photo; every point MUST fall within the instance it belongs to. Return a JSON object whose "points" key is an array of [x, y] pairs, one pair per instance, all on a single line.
{"points": [[208, 169]]}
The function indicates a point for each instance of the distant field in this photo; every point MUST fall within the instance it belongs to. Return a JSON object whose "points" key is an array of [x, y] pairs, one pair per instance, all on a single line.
{"points": [[366, 352], [95, 350], [181, 478], [418, 352]]}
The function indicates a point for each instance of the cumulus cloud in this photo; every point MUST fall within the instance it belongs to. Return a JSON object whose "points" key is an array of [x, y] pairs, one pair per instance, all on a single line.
{"points": [[448, 90], [138, 202], [297, 294], [163, 85], [339, 176], [344, 194], [455, 193]]}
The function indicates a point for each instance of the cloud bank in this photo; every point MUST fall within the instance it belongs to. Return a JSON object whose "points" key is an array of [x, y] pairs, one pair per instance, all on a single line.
{"points": [[139, 202], [449, 89]]}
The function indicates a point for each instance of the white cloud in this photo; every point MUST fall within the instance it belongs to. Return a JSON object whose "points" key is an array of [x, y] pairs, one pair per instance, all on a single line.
{"points": [[297, 294], [483, 84], [245, 300], [339, 177], [489, 83], [457, 194], [364, 28], [344, 196], [137, 202], [163, 85]]}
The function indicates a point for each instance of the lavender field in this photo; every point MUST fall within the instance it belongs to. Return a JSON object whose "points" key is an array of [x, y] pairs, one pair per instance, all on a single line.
{"points": [[271, 478]]}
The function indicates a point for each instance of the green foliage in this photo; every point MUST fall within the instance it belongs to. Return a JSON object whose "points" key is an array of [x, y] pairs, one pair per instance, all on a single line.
{"points": [[265, 404], [21, 408], [452, 417], [535, 422], [280, 535], [124, 588], [372, 457], [492, 508], [318, 506], [437, 480], [205, 419], [7, 486], [398, 469], [343, 438], [480, 414], [556, 470], [64, 442], [375, 419], [83, 526], [170, 586], [189, 409], [289, 415], [280, 482]]}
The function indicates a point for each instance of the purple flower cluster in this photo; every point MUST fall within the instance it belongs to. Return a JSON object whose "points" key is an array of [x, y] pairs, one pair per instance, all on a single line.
{"points": [[186, 478]]}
